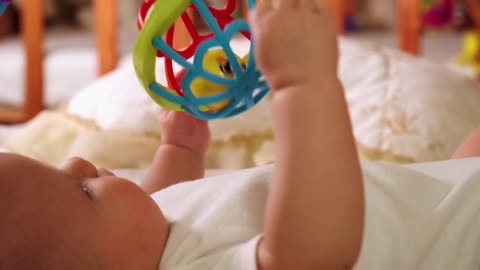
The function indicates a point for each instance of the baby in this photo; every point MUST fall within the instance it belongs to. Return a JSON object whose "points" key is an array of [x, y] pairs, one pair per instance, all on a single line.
{"points": [[311, 210]]}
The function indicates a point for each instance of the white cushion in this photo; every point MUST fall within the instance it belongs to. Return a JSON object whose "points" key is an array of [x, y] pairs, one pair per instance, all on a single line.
{"points": [[403, 109], [406, 108]]}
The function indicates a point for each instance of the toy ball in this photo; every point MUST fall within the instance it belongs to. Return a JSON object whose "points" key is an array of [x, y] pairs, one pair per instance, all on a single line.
{"points": [[214, 82], [3, 5]]}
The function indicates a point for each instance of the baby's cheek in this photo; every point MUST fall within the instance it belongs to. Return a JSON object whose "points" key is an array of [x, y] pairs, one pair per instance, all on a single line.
{"points": [[134, 228], [152, 233]]}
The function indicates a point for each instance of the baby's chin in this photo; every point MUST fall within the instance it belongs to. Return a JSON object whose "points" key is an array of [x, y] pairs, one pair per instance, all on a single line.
{"points": [[141, 243]]}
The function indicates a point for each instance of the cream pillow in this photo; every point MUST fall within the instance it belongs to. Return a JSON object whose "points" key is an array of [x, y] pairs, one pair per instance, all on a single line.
{"points": [[403, 109]]}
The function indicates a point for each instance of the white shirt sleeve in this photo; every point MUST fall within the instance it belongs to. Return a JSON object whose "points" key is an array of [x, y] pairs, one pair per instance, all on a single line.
{"points": [[216, 223], [240, 257]]}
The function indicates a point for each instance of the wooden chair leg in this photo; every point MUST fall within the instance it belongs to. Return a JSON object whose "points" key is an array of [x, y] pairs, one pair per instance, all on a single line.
{"points": [[106, 34], [409, 25], [33, 34], [32, 30]]}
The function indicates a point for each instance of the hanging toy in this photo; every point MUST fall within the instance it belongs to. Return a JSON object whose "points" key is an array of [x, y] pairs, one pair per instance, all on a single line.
{"points": [[439, 14], [3, 5], [219, 83], [469, 56]]}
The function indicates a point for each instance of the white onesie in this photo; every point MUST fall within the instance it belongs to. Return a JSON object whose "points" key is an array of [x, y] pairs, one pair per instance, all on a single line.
{"points": [[422, 217]]}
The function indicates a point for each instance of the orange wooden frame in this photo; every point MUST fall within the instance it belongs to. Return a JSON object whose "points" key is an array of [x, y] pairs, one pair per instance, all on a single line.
{"points": [[339, 7], [32, 39], [409, 35], [409, 25]]}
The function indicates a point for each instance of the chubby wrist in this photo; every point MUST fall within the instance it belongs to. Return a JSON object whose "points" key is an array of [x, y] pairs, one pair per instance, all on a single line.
{"points": [[182, 150], [173, 164], [283, 80], [308, 92], [198, 147]]}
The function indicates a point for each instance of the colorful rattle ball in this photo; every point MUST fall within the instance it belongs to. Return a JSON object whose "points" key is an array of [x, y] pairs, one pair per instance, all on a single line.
{"points": [[214, 82], [3, 5]]}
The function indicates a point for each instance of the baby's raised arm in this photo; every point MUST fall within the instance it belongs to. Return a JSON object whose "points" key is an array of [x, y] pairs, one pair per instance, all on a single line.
{"points": [[181, 155], [315, 211]]}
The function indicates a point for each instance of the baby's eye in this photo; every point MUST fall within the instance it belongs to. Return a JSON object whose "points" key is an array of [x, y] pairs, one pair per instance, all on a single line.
{"points": [[226, 68], [86, 188]]}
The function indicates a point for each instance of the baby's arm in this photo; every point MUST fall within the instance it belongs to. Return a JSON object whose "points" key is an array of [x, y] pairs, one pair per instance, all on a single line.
{"points": [[470, 147], [180, 157], [315, 211]]}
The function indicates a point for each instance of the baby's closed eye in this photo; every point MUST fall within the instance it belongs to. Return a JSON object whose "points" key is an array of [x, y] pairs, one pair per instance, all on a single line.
{"points": [[87, 189]]}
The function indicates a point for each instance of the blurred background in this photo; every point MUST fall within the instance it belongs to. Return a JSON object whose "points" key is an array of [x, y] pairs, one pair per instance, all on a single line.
{"points": [[69, 44]]}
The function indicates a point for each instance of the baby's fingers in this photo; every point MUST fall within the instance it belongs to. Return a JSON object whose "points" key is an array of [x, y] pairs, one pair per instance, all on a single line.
{"points": [[311, 5]]}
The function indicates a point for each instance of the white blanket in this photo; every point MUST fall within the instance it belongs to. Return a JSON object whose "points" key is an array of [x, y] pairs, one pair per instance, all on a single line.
{"points": [[428, 220], [5, 132], [418, 217]]}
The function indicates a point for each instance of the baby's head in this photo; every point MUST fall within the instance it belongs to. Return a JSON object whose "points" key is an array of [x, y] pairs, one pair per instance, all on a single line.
{"points": [[75, 218]]}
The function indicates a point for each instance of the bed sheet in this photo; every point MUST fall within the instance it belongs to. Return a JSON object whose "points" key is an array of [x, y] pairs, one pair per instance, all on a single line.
{"points": [[6, 131], [70, 64]]}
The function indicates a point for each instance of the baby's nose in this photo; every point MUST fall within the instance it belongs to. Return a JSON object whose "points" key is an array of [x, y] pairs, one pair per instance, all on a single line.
{"points": [[80, 168]]}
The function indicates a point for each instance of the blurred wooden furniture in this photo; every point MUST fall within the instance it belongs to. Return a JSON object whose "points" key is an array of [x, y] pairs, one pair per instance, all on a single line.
{"points": [[409, 35], [408, 21], [408, 26], [32, 36], [106, 34], [32, 28]]}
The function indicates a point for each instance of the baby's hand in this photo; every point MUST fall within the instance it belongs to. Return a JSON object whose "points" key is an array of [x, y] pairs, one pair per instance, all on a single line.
{"points": [[183, 130], [295, 42]]}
